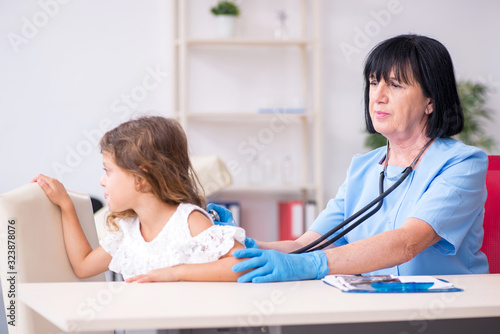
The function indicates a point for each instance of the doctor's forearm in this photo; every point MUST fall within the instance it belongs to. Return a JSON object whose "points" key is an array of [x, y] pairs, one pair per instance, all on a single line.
{"points": [[383, 250], [284, 246], [364, 256], [287, 246]]}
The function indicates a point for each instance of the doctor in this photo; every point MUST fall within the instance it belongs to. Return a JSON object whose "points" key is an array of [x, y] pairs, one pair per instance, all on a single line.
{"points": [[431, 224]]}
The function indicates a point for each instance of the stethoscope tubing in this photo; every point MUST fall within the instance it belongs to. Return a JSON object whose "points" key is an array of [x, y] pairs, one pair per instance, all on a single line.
{"points": [[378, 200], [313, 246]]}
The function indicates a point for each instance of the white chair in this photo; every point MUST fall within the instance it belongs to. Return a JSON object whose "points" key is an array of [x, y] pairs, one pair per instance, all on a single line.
{"points": [[30, 220]]}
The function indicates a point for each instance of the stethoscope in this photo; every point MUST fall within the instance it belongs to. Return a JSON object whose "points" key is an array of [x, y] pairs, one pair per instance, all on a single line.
{"points": [[313, 246]]}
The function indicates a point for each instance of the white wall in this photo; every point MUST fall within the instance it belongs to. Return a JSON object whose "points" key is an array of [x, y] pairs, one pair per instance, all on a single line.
{"points": [[69, 71], [86, 67]]}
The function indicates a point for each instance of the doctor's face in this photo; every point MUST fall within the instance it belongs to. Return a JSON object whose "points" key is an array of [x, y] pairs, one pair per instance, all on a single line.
{"points": [[398, 110]]}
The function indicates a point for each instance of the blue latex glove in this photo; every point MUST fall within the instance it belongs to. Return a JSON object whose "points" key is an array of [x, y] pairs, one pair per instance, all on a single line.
{"points": [[273, 266], [226, 217], [250, 243]]}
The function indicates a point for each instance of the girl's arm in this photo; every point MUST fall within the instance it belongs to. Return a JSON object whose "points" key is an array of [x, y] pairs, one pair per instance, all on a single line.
{"points": [[84, 261], [217, 271]]}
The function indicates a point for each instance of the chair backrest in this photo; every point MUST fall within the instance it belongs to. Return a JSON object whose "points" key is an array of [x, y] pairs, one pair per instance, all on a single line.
{"points": [[491, 225], [31, 226]]}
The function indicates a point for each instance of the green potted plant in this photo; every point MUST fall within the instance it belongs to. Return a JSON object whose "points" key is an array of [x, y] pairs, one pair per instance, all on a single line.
{"points": [[472, 98], [225, 14]]}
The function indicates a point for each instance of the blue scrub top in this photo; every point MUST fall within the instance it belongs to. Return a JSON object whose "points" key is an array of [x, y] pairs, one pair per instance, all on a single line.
{"points": [[447, 190]]}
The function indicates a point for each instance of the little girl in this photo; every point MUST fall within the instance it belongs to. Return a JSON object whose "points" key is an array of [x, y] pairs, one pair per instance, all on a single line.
{"points": [[156, 218]]}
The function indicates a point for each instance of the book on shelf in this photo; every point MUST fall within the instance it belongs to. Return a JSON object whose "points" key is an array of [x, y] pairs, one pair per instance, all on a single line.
{"points": [[295, 217]]}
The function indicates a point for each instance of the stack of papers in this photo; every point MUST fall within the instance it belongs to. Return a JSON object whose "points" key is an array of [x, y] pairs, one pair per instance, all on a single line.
{"points": [[389, 284]]}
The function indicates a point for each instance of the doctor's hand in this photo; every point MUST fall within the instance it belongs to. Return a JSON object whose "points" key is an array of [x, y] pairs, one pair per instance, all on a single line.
{"points": [[273, 266], [250, 243], [226, 217]]}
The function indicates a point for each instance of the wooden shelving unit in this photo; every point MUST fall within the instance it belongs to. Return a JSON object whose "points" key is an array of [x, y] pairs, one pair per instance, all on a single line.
{"points": [[307, 124]]}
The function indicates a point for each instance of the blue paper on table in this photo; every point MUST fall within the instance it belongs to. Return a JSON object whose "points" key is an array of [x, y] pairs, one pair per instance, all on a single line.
{"points": [[389, 284]]}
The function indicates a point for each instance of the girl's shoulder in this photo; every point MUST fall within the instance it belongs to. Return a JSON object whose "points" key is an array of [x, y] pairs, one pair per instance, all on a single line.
{"points": [[185, 209], [196, 218], [114, 238]]}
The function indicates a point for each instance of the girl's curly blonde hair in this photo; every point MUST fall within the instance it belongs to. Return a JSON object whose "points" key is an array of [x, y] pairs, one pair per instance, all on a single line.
{"points": [[155, 149]]}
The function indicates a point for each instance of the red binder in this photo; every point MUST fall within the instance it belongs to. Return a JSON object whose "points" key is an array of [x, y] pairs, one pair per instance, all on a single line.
{"points": [[291, 218]]}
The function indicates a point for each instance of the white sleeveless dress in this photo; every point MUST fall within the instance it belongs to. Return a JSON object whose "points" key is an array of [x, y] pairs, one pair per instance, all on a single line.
{"points": [[174, 245]]}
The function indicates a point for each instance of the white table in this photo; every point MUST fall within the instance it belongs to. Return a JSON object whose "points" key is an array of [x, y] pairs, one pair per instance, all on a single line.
{"points": [[117, 305]]}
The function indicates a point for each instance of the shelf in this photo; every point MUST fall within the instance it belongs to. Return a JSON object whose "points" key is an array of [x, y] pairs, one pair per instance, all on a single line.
{"points": [[244, 116], [195, 56], [271, 189], [243, 42]]}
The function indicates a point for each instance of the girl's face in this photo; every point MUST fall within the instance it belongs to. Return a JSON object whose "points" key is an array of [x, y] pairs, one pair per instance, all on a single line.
{"points": [[398, 111], [119, 186]]}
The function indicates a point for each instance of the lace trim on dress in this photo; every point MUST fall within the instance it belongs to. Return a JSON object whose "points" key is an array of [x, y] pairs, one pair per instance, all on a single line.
{"points": [[173, 245]]}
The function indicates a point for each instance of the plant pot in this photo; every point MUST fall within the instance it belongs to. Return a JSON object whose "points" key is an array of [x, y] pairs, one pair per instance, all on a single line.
{"points": [[225, 25]]}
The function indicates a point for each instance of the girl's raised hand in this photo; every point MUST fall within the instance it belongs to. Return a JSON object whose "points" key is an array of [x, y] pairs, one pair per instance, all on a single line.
{"points": [[54, 190]]}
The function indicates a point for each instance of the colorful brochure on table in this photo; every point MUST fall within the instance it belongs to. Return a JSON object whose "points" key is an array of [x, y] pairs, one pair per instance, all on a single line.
{"points": [[389, 284]]}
